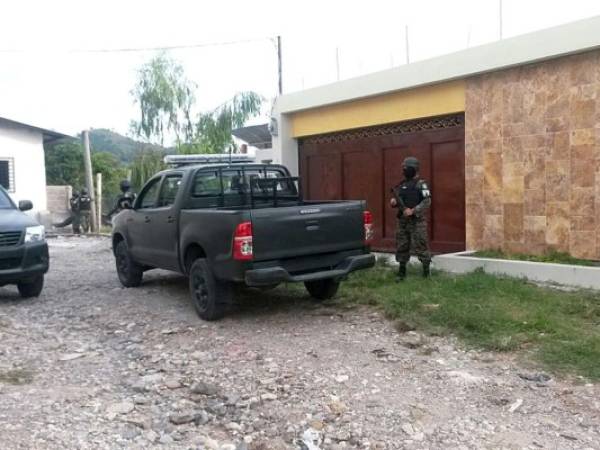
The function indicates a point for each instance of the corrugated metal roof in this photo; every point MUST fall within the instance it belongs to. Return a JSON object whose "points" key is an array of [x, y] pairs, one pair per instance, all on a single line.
{"points": [[256, 135]]}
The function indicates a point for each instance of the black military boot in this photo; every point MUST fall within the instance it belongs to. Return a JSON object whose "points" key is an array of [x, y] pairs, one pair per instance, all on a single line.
{"points": [[426, 271], [401, 272]]}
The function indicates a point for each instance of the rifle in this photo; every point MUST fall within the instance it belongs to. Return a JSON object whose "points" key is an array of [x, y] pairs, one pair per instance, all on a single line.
{"points": [[399, 202]]}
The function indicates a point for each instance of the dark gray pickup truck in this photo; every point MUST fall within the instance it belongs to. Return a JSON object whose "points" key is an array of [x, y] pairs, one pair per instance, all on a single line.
{"points": [[223, 224], [23, 248]]}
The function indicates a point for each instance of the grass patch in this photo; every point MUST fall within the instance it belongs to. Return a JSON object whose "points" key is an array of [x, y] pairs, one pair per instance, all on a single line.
{"points": [[562, 330], [16, 376], [548, 257]]}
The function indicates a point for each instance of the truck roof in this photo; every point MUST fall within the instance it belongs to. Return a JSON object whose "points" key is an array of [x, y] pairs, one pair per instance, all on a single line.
{"points": [[233, 165]]}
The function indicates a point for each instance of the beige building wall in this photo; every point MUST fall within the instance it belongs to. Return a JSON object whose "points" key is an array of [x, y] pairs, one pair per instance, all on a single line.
{"points": [[533, 157]]}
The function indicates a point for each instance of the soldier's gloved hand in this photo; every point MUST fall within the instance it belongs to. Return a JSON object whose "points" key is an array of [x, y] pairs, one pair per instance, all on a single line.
{"points": [[408, 212]]}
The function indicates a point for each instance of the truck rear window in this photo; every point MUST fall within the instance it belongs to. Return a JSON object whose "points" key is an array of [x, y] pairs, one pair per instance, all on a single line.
{"points": [[239, 182]]}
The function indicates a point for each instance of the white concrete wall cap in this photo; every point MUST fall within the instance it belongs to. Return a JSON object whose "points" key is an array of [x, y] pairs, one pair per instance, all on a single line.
{"points": [[585, 277], [572, 38]]}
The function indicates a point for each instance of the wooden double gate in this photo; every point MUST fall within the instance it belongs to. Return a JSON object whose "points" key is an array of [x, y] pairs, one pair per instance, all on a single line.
{"points": [[365, 164]]}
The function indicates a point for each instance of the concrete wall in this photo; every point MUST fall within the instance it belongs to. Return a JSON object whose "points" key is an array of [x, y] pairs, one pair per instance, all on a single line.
{"points": [[426, 101], [285, 146], [58, 201], [26, 149], [533, 157]]}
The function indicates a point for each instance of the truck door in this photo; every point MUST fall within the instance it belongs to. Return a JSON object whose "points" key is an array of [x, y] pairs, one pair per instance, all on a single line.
{"points": [[139, 222], [164, 224]]}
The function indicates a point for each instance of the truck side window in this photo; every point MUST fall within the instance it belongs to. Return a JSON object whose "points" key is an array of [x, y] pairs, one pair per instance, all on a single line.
{"points": [[147, 198], [169, 190], [206, 184]]}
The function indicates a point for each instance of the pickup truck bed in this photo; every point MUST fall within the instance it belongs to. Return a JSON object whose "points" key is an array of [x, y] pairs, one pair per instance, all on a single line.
{"points": [[262, 235]]}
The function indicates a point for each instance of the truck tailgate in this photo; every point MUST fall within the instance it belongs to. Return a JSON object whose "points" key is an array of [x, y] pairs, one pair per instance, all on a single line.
{"points": [[309, 229]]}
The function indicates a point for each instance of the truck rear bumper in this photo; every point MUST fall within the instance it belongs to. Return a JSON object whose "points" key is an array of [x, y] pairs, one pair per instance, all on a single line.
{"points": [[275, 275]]}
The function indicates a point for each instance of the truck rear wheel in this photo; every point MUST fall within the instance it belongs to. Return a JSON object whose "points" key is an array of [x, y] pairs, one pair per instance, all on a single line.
{"points": [[130, 273], [322, 289], [209, 296], [31, 288]]}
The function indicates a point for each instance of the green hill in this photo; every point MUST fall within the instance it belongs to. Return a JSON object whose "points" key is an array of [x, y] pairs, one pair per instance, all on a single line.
{"points": [[123, 147]]}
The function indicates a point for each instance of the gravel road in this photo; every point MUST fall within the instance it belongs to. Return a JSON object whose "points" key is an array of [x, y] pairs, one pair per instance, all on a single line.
{"points": [[92, 365]]}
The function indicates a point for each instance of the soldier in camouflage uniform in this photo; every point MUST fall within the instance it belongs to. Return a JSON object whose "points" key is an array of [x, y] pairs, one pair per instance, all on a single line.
{"points": [[85, 203], [412, 198]]}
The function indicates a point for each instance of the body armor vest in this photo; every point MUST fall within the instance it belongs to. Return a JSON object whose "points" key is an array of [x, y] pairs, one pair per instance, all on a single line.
{"points": [[410, 193]]}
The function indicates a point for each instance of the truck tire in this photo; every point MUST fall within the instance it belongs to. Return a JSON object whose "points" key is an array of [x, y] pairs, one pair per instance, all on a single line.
{"points": [[31, 288], [322, 289], [130, 273], [209, 296]]}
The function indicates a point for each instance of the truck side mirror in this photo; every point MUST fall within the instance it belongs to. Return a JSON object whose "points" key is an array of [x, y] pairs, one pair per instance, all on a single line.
{"points": [[25, 205]]}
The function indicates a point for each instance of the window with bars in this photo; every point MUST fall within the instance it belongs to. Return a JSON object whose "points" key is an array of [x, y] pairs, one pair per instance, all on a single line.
{"points": [[7, 174]]}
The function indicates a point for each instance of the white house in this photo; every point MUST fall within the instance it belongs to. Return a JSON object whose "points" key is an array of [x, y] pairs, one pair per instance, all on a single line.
{"points": [[22, 165]]}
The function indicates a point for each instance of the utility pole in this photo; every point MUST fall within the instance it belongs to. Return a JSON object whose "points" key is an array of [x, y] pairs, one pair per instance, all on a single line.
{"points": [[337, 62], [407, 46], [500, 17], [99, 191], [279, 71], [89, 182]]}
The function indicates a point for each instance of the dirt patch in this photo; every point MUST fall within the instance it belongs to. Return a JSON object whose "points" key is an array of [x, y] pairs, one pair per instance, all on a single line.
{"points": [[16, 376]]}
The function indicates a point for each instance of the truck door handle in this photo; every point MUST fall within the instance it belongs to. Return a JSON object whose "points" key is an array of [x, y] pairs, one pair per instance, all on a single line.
{"points": [[147, 219], [312, 225], [170, 219]]}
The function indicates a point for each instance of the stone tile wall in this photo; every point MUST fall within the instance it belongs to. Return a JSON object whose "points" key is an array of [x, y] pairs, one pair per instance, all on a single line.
{"points": [[533, 158]]}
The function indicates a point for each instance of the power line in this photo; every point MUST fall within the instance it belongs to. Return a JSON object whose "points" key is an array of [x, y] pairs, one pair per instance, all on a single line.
{"points": [[144, 49]]}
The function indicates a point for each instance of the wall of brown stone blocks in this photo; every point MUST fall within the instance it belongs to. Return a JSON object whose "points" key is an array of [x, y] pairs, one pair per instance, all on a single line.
{"points": [[533, 158]]}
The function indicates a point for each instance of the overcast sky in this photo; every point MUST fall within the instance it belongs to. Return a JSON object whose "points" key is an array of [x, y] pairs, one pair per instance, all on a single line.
{"points": [[51, 75]]}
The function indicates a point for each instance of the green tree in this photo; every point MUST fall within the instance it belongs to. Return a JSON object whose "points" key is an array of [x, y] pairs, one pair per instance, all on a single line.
{"points": [[112, 173], [145, 164], [213, 129], [64, 164], [165, 98]]}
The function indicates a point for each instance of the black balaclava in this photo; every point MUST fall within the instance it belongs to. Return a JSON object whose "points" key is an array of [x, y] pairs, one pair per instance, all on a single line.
{"points": [[409, 172]]}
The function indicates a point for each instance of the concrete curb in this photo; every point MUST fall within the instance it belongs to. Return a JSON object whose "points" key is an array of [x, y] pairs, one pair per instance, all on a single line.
{"points": [[562, 274]]}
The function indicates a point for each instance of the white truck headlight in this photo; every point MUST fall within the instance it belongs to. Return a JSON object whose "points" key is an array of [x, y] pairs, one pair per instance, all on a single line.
{"points": [[35, 234]]}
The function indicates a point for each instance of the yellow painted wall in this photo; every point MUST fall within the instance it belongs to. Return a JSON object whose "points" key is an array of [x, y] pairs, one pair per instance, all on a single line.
{"points": [[427, 101]]}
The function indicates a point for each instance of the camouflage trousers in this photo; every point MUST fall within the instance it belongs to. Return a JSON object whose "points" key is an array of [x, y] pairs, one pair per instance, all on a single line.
{"points": [[411, 238], [81, 222]]}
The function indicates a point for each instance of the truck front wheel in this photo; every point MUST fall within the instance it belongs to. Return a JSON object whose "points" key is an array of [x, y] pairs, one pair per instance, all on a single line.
{"points": [[130, 273], [209, 296], [322, 289], [31, 288]]}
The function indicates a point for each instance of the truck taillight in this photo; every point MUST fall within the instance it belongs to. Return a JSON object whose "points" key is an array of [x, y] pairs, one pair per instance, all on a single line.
{"points": [[242, 242], [368, 223]]}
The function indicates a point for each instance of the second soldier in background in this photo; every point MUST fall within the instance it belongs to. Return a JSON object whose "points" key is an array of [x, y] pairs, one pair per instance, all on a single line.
{"points": [[412, 198]]}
